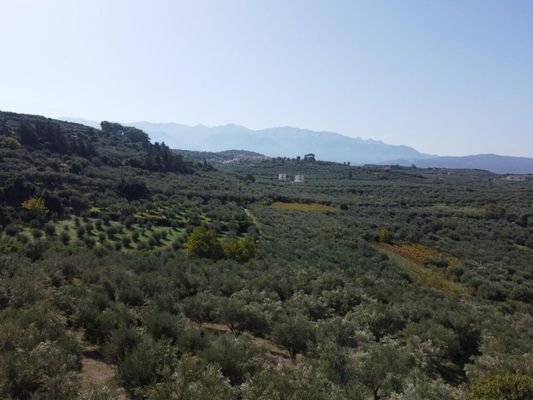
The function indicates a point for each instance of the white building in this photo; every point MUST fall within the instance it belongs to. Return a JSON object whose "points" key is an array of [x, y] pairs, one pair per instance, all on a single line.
{"points": [[299, 178], [516, 178], [283, 177]]}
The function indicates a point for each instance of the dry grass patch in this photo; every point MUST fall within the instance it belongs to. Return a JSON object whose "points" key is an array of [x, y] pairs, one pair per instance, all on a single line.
{"points": [[427, 276], [96, 372], [421, 254], [524, 248]]}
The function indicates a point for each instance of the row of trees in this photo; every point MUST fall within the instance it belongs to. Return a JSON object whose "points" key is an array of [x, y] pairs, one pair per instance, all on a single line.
{"points": [[49, 135]]}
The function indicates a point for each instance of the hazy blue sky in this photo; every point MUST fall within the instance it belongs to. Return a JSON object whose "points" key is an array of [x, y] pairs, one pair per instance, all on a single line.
{"points": [[447, 77]]}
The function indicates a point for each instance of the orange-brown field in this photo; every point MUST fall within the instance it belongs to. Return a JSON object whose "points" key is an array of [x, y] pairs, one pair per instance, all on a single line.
{"points": [[420, 253], [307, 207], [413, 259]]}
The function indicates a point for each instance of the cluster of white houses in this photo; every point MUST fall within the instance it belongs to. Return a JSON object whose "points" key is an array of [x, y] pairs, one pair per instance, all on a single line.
{"points": [[286, 177], [518, 178]]}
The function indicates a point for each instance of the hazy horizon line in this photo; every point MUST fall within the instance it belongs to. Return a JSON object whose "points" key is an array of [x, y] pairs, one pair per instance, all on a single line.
{"points": [[211, 126]]}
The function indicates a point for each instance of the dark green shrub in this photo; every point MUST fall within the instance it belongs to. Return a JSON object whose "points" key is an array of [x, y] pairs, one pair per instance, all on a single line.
{"points": [[240, 249], [295, 335], [203, 242], [142, 365], [131, 295], [163, 325], [36, 233], [11, 230], [121, 342], [64, 237], [50, 229]]}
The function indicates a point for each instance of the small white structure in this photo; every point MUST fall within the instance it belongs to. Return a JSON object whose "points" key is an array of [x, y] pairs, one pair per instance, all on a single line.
{"points": [[299, 178], [283, 177], [516, 178]]}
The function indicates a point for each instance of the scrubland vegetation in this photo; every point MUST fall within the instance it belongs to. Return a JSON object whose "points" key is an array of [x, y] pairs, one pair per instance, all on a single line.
{"points": [[197, 282]]}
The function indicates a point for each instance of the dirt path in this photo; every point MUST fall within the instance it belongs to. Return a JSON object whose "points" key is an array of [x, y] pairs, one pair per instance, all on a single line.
{"points": [[254, 219], [96, 372]]}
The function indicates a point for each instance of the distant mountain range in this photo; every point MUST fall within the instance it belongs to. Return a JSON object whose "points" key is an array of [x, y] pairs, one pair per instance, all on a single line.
{"points": [[490, 162], [329, 146]]}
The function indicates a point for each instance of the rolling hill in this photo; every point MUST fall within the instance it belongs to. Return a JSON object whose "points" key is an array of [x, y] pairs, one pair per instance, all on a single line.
{"points": [[328, 146]]}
